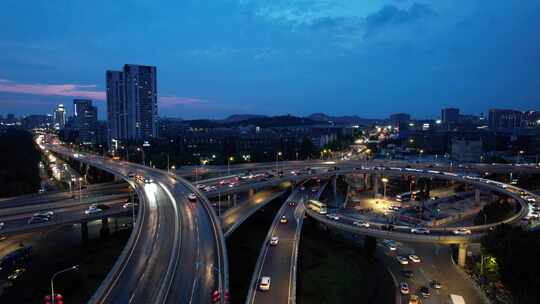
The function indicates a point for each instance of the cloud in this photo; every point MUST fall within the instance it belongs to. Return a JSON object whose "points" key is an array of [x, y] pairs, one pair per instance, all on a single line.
{"points": [[69, 90], [390, 16], [170, 101]]}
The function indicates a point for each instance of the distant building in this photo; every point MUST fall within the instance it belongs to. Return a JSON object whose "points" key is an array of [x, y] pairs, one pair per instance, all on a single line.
{"points": [[531, 119], [37, 121], [85, 120], [449, 115], [132, 110], [466, 150], [59, 117], [500, 119], [400, 118]]}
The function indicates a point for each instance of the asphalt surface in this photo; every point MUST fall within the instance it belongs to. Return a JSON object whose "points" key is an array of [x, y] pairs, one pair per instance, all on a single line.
{"points": [[279, 261], [174, 254]]}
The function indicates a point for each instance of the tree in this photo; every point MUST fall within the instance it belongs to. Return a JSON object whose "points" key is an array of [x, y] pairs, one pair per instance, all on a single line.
{"points": [[494, 212], [307, 148]]}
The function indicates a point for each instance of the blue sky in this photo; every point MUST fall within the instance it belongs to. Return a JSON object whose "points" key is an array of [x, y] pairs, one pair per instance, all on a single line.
{"points": [[221, 57]]}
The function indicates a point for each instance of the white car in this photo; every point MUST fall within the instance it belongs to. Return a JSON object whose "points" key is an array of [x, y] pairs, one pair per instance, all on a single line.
{"points": [[148, 180], [274, 240], [391, 245], [128, 205], [44, 214], [420, 230], [192, 197], [92, 209], [404, 288], [361, 224], [334, 217], [414, 258], [264, 284], [462, 231], [283, 219], [402, 260]]}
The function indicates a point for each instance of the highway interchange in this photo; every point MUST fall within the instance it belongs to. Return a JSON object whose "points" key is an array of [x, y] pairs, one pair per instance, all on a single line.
{"points": [[190, 236]]}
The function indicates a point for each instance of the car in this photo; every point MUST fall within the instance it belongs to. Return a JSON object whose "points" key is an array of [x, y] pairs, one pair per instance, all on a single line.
{"points": [[264, 284], [407, 273], [283, 219], [192, 197], [1, 225], [332, 216], [420, 230], [413, 299], [402, 260], [38, 219], [404, 288], [436, 284], [425, 292], [148, 180], [200, 186], [103, 206], [48, 214], [92, 209], [302, 188], [391, 245], [314, 189], [361, 224], [414, 258], [16, 274], [128, 205], [291, 203], [131, 175], [274, 240], [461, 231]]}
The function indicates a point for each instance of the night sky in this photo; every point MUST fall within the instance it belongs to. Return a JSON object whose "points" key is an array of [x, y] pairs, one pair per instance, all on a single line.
{"points": [[221, 57]]}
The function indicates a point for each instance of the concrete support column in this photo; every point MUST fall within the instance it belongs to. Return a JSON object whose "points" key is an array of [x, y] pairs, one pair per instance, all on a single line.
{"points": [[235, 199], [366, 182], [104, 231], [84, 231], [251, 192], [462, 254], [375, 178], [334, 185], [477, 195]]}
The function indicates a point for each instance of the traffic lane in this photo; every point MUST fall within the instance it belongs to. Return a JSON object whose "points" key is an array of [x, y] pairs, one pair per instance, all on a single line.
{"points": [[277, 262], [61, 214], [439, 266]]}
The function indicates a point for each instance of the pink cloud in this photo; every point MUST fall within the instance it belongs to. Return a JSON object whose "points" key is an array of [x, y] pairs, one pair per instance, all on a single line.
{"points": [[70, 90]]}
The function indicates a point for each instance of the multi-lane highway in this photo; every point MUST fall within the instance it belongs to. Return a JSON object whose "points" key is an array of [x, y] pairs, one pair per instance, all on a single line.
{"points": [[176, 252], [278, 261]]}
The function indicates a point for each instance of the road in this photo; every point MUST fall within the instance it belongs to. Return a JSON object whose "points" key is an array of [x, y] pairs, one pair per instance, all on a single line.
{"points": [[436, 264], [234, 216], [175, 253], [279, 262]]}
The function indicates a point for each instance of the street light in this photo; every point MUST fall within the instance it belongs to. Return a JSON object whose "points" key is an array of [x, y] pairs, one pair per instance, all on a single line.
{"points": [[519, 153], [75, 267], [80, 181], [229, 160], [385, 181], [142, 152], [277, 159]]}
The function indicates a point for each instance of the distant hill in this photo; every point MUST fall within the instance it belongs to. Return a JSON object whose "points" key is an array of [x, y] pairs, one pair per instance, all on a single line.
{"points": [[275, 121], [353, 119], [240, 117]]}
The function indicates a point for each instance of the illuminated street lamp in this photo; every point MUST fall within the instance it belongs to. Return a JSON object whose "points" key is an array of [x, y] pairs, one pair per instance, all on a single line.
{"points": [[521, 152], [385, 181], [53, 298], [80, 181], [142, 152], [277, 159], [229, 160]]}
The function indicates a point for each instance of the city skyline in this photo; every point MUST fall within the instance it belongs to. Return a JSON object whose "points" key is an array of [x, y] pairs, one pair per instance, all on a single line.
{"points": [[239, 57]]}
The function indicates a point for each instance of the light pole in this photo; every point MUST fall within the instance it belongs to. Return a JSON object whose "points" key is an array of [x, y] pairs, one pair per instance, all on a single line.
{"points": [[410, 186], [80, 181], [519, 153], [75, 267], [421, 152], [385, 181], [229, 160], [277, 159], [142, 152]]}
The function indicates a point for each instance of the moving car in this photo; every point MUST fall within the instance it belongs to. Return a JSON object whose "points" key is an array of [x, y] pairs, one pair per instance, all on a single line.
{"points": [[264, 284], [92, 209], [292, 204], [402, 260], [332, 216], [436, 284], [38, 219], [408, 273], [192, 197], [16, 274], [283, 219], [48, 214], [462, 231], [425, 292], [404, 288], [414, 258], [1, 225], [274, 240], [414, 299], [148, 180], [128, 205], [361, 224], [420, 230]]}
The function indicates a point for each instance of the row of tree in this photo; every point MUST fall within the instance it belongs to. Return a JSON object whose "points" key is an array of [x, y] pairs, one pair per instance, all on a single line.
{"points": [[19, 163]]}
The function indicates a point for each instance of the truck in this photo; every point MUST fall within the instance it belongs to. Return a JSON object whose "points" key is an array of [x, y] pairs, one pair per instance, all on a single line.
{"points": [[455, 299]]}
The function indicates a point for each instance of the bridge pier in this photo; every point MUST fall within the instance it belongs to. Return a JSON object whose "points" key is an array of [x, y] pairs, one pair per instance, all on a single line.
{"points": [[477, 195], [462, 254], [251, 192], [84, 231], [105, 230], [375, 179], [334, 185]]}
